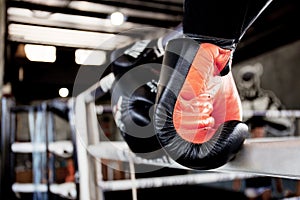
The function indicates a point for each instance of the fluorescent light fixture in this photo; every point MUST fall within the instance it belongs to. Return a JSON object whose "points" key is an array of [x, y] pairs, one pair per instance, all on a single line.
{"points": [[117, 18], [50, 2], [92, 7], [40, 53], [78, 19], [65, 37], [63, 92], [19, 12], [90, 57]]}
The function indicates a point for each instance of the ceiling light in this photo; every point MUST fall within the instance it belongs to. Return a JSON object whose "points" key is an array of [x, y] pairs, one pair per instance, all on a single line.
{"points": [[63, 92], [89, 57], [40, 53], [117, 18]]}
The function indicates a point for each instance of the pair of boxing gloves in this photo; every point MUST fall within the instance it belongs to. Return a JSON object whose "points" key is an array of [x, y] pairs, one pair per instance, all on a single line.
{"points": [[179, 100]]}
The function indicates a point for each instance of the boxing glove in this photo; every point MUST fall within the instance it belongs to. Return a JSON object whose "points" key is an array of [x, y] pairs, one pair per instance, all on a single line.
{"points": [[133, 95], [132, 98], [197, 116]]}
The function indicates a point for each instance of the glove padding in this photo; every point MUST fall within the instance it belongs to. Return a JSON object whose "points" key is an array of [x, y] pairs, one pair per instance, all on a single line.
{"points": [[198, 115]]}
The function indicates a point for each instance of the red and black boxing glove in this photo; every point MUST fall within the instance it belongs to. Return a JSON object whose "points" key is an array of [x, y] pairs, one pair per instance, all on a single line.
{"points": [[198, 114]]}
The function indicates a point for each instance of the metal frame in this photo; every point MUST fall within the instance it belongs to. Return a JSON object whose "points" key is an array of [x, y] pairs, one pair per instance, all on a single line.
{"points": [[9, 148]]}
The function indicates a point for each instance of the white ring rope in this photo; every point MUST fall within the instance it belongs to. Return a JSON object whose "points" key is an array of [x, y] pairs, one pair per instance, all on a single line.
{"points": [[246, 113], [67, 189], [153, 182], [272, 113], [62, 148]]}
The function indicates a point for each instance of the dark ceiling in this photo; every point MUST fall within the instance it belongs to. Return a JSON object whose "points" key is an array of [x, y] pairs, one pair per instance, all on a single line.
{"points": [[277, 26]]}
